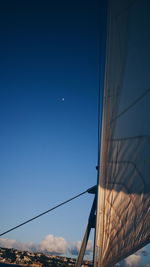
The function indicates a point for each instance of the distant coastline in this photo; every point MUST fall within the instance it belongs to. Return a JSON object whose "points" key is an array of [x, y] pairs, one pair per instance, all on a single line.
{"points": [[10, 257]]}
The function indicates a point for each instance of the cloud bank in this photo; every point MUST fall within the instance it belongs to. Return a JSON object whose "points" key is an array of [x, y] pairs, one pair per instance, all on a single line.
{"points": [[50, 244], [75, 247], [10, 243]]}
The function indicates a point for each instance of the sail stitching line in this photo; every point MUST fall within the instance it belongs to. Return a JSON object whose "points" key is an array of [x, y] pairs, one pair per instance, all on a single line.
{"points": [[131, 137], [135, 167], [130, 106]]}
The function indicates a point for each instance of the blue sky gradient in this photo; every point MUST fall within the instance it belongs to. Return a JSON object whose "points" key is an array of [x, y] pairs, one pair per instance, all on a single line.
{"points": [[48, 146]]}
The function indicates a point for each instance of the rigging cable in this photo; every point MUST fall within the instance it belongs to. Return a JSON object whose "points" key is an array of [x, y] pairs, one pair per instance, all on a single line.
{"points": [[43, 213]]}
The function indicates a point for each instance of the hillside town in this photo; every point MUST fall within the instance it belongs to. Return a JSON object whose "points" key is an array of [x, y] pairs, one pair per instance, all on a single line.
{"points": [[26, 258]]}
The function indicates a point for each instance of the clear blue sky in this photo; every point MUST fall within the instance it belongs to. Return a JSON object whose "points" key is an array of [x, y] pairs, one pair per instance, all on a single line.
{"points": [[48, 147]]}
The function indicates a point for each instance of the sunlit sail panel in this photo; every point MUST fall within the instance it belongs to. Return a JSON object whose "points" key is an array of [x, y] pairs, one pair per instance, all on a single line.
{"points": [[123, 210]]}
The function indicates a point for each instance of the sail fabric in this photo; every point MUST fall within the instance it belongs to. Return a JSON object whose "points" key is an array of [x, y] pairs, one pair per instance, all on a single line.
{"points": [[123, 201]]}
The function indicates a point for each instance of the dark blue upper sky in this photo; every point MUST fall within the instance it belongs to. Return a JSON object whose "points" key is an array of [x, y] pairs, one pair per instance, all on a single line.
{"points": [[48, 147]]}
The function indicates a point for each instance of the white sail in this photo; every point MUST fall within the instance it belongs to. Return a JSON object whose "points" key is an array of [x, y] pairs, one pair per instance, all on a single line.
{"points": [[123, 207]]}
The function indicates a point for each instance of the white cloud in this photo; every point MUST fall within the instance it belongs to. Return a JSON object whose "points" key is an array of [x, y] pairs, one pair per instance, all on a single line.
{"points": [[133, 260], [53, 244]]}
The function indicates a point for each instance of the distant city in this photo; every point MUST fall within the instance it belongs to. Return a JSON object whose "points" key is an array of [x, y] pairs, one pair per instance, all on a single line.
{"points": [[15, 257]]}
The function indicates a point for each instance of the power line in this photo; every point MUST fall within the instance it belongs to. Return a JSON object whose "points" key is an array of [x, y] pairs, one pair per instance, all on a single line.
{"points": [[43, 213]]}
